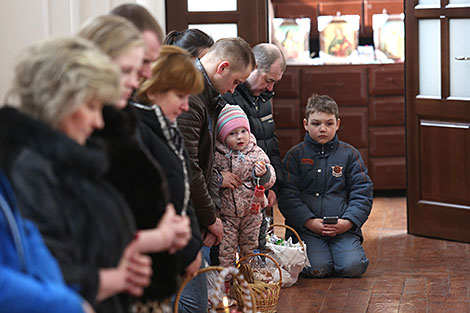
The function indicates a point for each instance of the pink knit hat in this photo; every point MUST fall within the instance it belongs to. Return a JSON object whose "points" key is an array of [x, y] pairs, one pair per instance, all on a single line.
{"points": [[230, 118]]}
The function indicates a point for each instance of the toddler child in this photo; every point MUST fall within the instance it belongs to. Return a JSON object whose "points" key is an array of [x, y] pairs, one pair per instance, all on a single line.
{"points": [[326, 177], [237, 153]]}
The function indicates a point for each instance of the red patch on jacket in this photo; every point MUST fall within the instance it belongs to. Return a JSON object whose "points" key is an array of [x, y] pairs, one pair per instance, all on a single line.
{"points": [[337, 171], [307, 161]]}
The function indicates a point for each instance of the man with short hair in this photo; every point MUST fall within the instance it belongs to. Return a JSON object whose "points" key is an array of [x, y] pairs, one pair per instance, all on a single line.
{"points": [[151, 32], [254, 97], [227, 64]]}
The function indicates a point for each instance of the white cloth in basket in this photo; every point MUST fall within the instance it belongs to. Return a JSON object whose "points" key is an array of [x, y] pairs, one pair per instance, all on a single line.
{"points": [[291, 257]]}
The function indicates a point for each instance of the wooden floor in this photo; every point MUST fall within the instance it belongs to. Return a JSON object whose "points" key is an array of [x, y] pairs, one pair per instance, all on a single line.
{"points": [[406, 273]]}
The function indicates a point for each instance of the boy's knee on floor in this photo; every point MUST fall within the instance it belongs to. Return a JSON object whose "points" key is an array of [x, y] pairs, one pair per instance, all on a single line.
{"points": [[352, 269], [316, 272]]}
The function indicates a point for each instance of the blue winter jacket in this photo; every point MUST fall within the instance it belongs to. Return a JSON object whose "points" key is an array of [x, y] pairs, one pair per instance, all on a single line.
{"points": [[30, 278], [325, 180]]}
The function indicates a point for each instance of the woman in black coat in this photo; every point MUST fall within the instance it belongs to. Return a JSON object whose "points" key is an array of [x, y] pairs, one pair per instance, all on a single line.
{"points": [[61, 85], [160, 100], [133, 171]]}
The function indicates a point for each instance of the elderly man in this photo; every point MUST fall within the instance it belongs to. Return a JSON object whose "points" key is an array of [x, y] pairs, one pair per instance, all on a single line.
{"points": [[254, 97]]}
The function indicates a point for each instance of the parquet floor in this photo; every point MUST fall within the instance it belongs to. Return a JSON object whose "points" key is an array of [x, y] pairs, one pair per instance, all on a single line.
{"points": [[406, 273]]}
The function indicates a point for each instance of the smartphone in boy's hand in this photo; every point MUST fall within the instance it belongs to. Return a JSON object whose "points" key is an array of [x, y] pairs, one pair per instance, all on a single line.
{"points": [[330, 220]]}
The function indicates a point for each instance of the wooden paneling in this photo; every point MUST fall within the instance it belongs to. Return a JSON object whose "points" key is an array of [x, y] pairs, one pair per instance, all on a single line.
{"points": [[386, 80], [445, 162], [386, 111], [288, 138], [347, 85], [353, 128], [288, 87], [344, 7], [387, 141], [388, 173], [365, 155], [441, 221], [287, 113]]}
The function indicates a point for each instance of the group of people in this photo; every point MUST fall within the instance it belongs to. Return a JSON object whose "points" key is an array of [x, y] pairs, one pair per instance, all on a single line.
{"points": [[134, 153]]}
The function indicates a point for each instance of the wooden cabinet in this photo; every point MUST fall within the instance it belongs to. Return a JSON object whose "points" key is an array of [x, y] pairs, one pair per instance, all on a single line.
{"points": [[347, 83], [387, 131], [371, 105]]}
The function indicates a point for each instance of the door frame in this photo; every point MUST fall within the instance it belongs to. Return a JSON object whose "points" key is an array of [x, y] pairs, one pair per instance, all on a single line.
{"points": [[425, 217], [251, 18]]}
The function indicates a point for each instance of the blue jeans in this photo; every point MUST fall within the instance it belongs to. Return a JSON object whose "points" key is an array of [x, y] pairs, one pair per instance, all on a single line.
{"points": [[193, 299], [340, 256]]}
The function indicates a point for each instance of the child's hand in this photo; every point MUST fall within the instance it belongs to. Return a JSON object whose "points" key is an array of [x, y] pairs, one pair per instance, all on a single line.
{"points": [[332, 230], [260, 169], [314, 225]]}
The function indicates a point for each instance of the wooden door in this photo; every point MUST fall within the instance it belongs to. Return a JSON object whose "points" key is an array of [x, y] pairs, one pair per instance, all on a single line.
{"points": [[438, 118], [250, 18]]}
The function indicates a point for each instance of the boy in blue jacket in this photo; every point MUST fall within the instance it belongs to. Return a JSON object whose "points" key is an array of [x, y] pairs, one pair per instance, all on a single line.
{"points": [[30, 278], [327, 195]]}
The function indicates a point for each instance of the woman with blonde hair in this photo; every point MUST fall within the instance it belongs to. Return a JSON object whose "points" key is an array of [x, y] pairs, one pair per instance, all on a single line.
{"points": [[133, 171], [160, 100], [61, 85], [119, 39]]}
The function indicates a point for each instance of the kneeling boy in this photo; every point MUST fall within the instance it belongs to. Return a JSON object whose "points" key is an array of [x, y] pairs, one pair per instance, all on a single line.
{"points": [[327, 195]]}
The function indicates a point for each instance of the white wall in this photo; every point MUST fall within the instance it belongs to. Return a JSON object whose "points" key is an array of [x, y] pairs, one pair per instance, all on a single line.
{"points": [[24, 21]]}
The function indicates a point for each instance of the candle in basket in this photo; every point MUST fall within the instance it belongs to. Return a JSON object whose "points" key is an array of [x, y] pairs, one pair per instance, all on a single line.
{"points": [[225, 303]]}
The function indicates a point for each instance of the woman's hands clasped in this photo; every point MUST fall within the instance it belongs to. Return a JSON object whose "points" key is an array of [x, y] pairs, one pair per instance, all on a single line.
{"points": [[172, 233]]}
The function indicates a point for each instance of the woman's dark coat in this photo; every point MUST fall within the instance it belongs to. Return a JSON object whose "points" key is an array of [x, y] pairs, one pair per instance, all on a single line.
{"points": [[59, 185], [152, 137], [140, 178]]}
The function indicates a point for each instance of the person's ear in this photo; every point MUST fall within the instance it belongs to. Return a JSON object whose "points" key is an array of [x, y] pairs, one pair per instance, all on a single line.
{"points": [[338, 122], [150, 96], [305, 124], [223, 67]]}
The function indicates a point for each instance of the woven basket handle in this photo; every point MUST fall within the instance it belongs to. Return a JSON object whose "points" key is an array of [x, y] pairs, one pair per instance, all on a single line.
{"points": [[187, 280], [291, 229], [262, 254], [205, 270]]}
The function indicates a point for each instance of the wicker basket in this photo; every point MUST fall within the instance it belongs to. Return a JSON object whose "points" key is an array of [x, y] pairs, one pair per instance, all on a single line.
{"points": [[288, 262], [291, 229], [266, 295], [246, 294]]}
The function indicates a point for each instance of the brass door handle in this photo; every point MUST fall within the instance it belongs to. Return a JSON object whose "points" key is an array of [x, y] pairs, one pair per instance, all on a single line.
{"points": [[462, 58]]}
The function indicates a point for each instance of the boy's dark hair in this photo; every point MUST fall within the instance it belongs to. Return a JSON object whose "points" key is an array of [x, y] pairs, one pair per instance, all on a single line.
{"points": [[323, 103], [193, 40]]}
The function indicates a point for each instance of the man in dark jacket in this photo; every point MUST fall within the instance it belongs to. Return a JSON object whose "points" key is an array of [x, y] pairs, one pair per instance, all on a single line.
{"points": [[227, 64], [254, 97]]}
